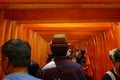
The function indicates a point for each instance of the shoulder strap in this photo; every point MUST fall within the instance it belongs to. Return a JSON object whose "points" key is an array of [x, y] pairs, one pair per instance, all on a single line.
{"points": [[111, 75], [51, 64]]}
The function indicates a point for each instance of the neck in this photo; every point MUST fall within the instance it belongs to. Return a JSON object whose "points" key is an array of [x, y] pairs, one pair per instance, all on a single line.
{"points": [[22, 70], [116, 72]]}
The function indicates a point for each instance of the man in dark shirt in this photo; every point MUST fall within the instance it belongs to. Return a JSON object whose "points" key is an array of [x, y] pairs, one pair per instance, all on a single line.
{"points": [[114, 74], [61, 68]]}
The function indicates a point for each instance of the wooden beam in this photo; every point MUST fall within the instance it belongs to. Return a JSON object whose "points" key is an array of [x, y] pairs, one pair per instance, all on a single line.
{"points": [[58, 1], [68, 33], [70, 25], [66, 21], [74, 38], [69, 28], [57, 6], [64, 14]]}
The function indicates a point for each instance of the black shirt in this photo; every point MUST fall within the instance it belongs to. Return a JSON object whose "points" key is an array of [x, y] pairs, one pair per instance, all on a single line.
{"points": [[107, 76]]}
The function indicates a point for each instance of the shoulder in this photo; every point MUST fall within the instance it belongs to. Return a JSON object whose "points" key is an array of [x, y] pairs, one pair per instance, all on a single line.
{"points": [[107, 76], [16, 76]]}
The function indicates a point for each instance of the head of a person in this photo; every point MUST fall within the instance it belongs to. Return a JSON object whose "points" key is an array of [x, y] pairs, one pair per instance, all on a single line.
{"points": [[33, 68], [59, 45], [70, 54], [15, 53], [49, 57], [115, 57], [83, 51]]}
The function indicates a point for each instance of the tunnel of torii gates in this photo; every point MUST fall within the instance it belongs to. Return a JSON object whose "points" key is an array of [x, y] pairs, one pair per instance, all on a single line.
{"points": [[93, 25]]}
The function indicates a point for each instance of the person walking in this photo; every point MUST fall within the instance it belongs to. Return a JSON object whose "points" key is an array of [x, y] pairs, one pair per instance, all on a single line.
{"points": [[16, 54], [61, 68], [114, 73]]}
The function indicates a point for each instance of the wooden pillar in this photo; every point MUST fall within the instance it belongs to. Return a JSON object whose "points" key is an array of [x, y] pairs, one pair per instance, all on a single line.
{"points": [[116, 32]]}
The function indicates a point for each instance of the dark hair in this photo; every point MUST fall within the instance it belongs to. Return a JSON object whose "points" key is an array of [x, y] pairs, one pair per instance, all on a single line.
{"points": [[59, 51], [81, 60], [33, 68], [50, 57], [83, 51], [115, 55], [18, 52], [71, 55]]}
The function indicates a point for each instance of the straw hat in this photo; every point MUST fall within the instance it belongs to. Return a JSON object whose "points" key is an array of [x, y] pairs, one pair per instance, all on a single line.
{"points": [[59, 40]]}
